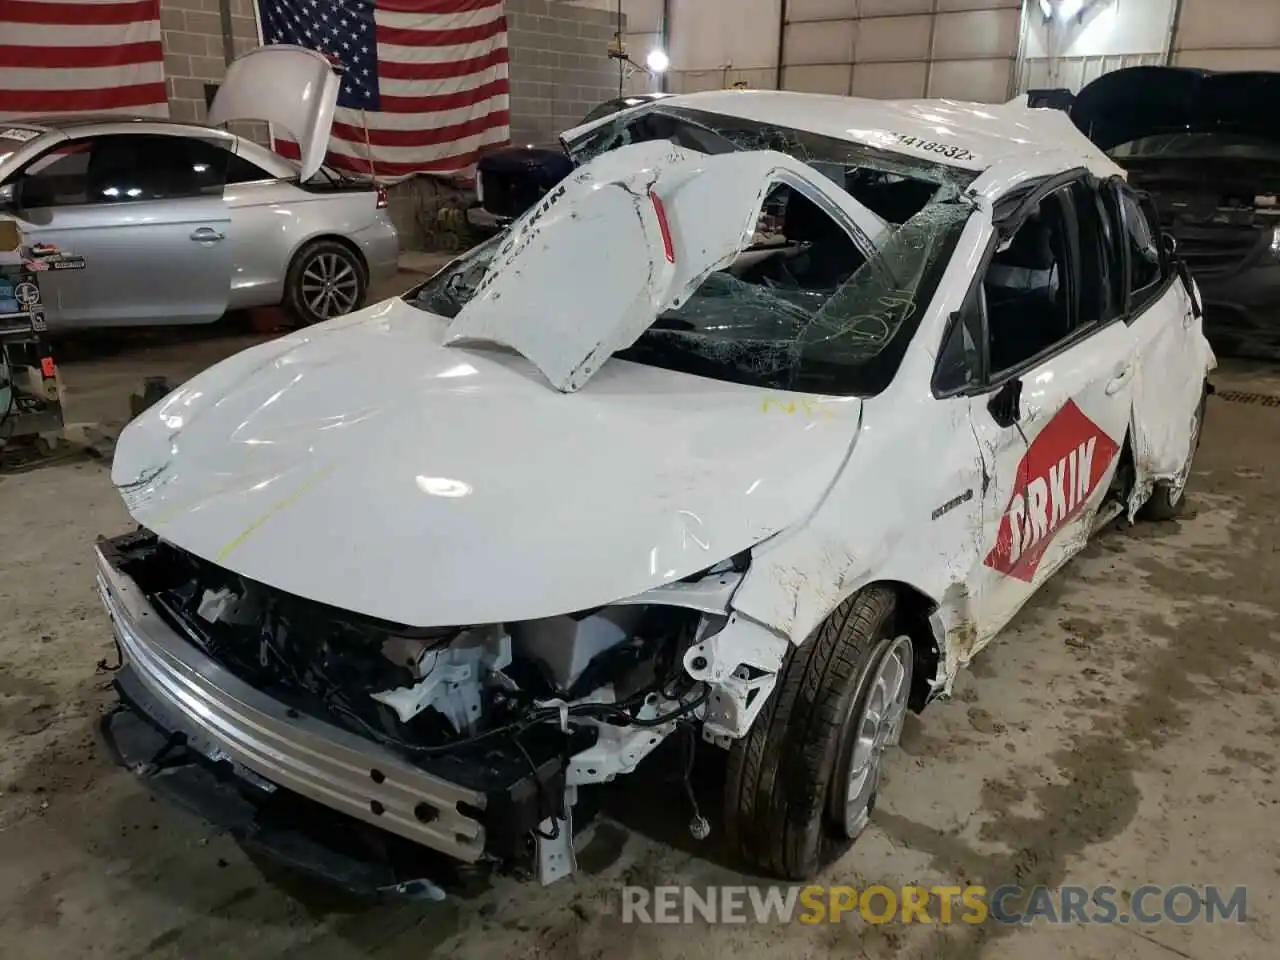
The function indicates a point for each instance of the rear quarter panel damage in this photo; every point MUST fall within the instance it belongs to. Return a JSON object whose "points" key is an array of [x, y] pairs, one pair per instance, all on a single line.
{"points": [[1173, 360]]}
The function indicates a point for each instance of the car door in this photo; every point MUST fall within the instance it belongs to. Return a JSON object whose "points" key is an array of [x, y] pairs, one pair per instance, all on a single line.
{"points": [[146, 212], [1172, 354], [1046, 368]]}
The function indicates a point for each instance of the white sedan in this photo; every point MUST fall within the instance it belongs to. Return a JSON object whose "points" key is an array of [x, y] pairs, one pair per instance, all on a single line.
{"points": [[624, 471]]}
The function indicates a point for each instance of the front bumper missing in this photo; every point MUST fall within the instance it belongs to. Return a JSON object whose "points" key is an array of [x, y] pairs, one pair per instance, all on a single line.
{"points": [[269, 744], [284, 827]]}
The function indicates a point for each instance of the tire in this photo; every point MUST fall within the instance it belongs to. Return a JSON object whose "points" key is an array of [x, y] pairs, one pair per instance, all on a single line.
{"points": [[787, 778], [1165, 503], [318, 263]]}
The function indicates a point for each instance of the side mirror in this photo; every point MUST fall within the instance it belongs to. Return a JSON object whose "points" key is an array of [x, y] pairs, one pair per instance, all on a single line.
{"points": [[1005, 406], [1170, 244]]}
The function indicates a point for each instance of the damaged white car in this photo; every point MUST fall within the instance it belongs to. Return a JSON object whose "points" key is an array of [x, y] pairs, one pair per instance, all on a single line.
{"points": [[754, 430]]}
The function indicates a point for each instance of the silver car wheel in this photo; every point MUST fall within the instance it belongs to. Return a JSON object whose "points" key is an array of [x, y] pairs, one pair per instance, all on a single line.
{"points": [[877, 725], [330, 285]]}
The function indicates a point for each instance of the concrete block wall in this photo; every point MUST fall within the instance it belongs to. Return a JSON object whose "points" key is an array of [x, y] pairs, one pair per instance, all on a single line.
{"points": [[560, 67], [194, 52]]}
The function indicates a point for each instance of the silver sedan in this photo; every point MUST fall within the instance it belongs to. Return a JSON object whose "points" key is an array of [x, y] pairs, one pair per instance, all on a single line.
{"points": [[179, 223]]}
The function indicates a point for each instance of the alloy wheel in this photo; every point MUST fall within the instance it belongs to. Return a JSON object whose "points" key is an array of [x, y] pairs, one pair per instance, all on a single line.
{"points": [[876, 725], [330, 285]]}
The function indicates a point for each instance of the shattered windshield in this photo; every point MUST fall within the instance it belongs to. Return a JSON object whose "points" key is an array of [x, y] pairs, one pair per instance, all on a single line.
{"points": [[771, 328], [803, 306]]}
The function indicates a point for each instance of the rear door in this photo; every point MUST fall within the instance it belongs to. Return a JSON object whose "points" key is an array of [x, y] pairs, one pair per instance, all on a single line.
{"points": [[146, 212], [1172, 353]]}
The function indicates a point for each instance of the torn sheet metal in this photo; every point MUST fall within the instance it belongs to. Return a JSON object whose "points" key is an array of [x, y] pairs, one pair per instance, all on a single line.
{"points": [[590, 268]]}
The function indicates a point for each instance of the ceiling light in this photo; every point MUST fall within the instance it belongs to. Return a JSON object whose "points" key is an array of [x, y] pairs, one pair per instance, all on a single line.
{"points": [[1069, 8], [657, 61]]}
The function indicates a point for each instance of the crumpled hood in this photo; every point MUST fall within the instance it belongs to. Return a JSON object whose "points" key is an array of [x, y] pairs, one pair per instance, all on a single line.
{"points": [[1125, 105], [626, 237], [363, 464]]}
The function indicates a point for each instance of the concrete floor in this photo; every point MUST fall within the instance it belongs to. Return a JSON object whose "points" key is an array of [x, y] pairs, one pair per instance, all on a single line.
{"points": [[1123, 731]]}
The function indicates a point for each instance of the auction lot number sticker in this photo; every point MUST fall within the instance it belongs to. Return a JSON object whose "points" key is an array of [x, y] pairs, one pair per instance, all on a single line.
{"points": [[948, 150]]}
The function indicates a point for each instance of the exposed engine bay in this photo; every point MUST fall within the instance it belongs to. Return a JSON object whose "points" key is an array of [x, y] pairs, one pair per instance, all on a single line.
{"points": [[525, 713]]}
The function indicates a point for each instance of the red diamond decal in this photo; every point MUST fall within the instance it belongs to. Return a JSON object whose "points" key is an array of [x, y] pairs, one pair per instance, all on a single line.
{"points": [[1060, 471]]}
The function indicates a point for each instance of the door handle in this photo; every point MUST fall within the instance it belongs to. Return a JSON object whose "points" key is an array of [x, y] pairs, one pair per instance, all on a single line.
{"points": [[1116, 383], [207, 235]]}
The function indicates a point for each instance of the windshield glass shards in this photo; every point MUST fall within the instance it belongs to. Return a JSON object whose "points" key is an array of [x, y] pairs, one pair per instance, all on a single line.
{"points": [[780, 323], [806, 304], [452, 288]]}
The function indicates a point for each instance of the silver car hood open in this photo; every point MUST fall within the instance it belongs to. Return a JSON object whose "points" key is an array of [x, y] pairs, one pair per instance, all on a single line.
{"points": [[626, 237], [290, 87]]}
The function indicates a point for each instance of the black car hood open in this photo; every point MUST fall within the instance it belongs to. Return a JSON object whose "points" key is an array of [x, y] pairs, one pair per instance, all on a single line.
{"points": [[1124, 105]]}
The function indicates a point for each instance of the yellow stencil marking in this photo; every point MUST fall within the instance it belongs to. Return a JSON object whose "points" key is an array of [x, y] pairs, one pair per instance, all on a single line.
{"points": [[276, 508], [805, 405]]}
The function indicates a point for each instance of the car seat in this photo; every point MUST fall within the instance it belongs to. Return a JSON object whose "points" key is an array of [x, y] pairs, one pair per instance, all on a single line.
{"points": [[831, 257], [1026, 296]]}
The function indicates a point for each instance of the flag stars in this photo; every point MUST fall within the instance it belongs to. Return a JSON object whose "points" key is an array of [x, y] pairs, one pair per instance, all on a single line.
{"points": [[333, 27]]}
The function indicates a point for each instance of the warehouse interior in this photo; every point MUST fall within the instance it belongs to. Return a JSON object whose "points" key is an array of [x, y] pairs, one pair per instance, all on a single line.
{"points": [[320, 382]]}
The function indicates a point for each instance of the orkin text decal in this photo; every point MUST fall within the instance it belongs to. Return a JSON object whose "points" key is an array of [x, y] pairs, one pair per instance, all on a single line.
{"points": [[1061, 470]]}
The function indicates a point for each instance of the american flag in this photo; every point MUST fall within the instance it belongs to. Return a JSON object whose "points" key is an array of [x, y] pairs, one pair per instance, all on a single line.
{"points": [[95, 55], [425, 86]]}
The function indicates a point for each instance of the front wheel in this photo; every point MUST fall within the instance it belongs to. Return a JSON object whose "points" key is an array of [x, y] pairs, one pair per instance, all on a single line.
{"points": [[803, 782], [1166, 501], [326, 279]]}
